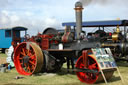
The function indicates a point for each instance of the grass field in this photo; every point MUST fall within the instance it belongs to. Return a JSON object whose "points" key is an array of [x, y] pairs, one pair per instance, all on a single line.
{"points": [[60, 78]]}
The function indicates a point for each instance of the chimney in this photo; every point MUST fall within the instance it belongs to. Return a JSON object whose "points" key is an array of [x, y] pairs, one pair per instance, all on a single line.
{"points": [[78, 9]]}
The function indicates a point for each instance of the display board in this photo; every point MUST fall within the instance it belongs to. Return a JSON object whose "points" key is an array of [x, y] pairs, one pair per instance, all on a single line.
{"points": [[104, 57], [105, 60]]}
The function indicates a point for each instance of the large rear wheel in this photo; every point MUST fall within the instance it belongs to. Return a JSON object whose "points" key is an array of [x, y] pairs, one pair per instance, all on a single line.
{"points": [[28, 58]]}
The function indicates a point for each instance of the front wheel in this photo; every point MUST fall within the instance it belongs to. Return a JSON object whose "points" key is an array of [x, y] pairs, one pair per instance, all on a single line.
{"points": [[91, 78]]}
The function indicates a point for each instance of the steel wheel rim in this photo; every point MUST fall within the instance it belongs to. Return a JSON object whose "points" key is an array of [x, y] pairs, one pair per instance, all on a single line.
{"points": [[28, 60], [89, 78]]}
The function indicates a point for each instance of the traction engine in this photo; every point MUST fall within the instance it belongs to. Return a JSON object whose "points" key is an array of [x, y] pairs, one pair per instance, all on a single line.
{"points": [[47, 52]]}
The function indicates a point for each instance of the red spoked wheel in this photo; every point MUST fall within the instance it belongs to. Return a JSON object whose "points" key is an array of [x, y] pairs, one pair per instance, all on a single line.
{"points": [[28, 58], [89, 78]]}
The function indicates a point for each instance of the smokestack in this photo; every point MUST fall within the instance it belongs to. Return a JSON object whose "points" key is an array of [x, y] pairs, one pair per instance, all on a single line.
{"points": [[78, 10]]}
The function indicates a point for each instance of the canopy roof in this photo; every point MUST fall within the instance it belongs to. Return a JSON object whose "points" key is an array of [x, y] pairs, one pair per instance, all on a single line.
{"points": [[99, 23], [19, 28]]}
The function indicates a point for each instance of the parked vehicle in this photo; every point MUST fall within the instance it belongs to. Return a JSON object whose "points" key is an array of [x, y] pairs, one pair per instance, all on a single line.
{"points": [[10, 36]]}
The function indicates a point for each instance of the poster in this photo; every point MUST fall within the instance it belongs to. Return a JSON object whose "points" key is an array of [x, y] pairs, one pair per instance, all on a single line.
{"points": [[104, 57]]}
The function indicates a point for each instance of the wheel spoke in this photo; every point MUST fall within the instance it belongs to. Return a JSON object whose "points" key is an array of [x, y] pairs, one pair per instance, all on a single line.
{"points": [[29, 69], [82, 65], [32, 57], [31, 62], [94, 64], [23, 52], [33, 66], [20, 58], [85, 75], [28, 51], [26, 68]]}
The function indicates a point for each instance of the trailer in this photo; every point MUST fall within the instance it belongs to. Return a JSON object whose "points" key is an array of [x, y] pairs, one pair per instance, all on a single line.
{"points": [[10, 35]]}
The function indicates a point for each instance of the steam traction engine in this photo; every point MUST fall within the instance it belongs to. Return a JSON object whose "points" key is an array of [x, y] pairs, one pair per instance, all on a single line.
{"points": [[117, 40], [46, 52]]}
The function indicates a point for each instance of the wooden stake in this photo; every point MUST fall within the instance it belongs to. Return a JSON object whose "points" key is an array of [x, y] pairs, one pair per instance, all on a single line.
{"points": [[120, 76]]}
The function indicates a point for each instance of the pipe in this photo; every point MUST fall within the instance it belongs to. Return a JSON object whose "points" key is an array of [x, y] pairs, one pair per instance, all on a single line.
{"points": [[78, 9]]}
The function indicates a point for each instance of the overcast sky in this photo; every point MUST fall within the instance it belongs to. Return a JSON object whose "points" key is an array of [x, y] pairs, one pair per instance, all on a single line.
{"points": [[36, 15]]}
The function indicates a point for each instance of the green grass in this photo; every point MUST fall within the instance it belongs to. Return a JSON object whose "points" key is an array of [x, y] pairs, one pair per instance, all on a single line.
{"points": [[60, 78], [2, 58]]}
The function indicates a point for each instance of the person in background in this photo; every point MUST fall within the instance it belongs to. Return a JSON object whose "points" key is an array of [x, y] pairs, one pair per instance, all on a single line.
{"points": [[70, 62], [83, 36]]}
